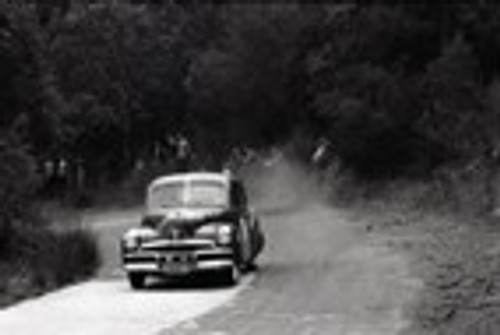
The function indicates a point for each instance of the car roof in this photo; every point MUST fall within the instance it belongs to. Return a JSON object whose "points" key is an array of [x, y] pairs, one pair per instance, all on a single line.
{"points": [[192, 176]]}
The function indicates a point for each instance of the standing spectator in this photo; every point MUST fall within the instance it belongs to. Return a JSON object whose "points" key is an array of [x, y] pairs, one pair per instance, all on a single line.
{"points": [[182, 152]]}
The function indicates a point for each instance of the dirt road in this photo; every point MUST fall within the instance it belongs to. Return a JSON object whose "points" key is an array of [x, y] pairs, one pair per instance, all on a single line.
{"points": [[320, 274]]}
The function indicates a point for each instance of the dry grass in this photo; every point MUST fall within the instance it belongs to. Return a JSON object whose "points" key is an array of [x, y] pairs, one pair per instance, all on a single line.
{"points": [[38, 259], [460, 265], [455, 251]]}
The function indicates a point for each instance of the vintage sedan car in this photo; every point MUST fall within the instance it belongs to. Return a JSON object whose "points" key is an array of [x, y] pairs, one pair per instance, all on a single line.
{"points": [[194, 222]]}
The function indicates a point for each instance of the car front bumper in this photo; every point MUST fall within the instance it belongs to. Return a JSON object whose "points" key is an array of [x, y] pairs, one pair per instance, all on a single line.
{"points": [[177, 262]]}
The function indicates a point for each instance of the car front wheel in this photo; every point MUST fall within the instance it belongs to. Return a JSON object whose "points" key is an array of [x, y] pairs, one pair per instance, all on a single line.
{"points": [[136, 280]]}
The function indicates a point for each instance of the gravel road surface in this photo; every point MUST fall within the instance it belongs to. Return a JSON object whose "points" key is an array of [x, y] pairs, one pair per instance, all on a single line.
{"points": [[321, 274]]}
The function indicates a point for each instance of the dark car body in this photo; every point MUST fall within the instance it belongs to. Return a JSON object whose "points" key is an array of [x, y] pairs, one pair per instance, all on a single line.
{"points": [[194, 222]]}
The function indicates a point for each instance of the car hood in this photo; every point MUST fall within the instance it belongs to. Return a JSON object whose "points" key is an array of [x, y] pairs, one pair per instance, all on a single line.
{"points": [[179, 223], [187, 214]]}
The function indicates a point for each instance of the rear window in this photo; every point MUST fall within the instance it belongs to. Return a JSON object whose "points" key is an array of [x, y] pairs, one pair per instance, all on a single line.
{"points": [[198, 193]]}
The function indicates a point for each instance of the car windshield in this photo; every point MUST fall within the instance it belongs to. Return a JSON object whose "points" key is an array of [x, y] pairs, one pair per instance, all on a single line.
{"points": [[189, 194]]}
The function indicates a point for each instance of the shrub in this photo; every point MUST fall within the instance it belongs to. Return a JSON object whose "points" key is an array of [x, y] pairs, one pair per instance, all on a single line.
{"points": [[42, 259], [34, 257]]}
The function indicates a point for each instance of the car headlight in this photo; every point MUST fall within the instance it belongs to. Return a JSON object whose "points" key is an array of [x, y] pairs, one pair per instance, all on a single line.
{"points": [[131, 243], [221, 233], [225, 235], [134, 237]]}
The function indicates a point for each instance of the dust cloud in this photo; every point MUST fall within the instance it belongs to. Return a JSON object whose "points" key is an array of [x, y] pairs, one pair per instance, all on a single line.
{"points": [[320, 272], [283, 185]]}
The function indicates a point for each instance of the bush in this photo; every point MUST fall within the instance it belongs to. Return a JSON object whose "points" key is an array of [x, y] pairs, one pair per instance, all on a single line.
{"points": [[34, 257], [41, 259]]}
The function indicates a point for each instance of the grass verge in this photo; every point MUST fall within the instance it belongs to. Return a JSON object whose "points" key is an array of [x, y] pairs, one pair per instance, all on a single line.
{"points": [[455, 253], [459, 262], [38, 259]]}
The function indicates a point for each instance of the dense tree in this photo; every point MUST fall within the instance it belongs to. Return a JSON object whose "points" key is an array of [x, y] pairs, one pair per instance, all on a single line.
{"points": [[397, 88], [403, 86], [248, 88]]}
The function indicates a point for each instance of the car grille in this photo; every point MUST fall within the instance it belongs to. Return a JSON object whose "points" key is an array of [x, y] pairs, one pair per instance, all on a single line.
{"points": [[141, 259], [174, 232]]}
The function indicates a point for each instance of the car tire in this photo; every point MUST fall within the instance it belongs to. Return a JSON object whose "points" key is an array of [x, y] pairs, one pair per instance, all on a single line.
{"points": [[251, 266], [231, 276], [137, 280]]}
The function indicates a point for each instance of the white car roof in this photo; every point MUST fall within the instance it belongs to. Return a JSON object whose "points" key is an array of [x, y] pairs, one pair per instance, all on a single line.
{"points": [[192, 176]]}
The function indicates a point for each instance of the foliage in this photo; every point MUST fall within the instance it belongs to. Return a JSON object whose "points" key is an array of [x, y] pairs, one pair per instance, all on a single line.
{"points": [[229, 82], [398, 89], [402, 88], [40, 260]]}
